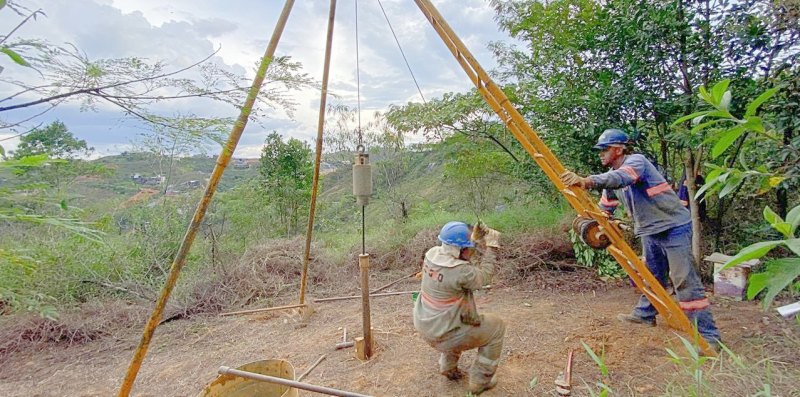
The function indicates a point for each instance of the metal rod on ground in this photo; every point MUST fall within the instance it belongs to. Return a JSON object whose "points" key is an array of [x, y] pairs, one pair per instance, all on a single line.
{"points": [[266, 309], [344, 345], [222, 162], [379, 289], [290, 383], [308, 371], [363, 264], [317, 159], [341, 298]]}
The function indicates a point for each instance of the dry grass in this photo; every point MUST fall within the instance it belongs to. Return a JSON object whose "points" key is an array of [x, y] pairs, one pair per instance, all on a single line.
{"points": [[91, 321], [544, 249], [406, 257], [269, 275], [263, 276]]}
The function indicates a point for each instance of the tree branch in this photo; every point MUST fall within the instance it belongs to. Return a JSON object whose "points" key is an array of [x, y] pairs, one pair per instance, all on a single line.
{"points": [[95, 89]]}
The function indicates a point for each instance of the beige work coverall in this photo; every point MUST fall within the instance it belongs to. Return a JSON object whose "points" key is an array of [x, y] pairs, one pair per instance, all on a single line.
{"points": [[445, 313]]}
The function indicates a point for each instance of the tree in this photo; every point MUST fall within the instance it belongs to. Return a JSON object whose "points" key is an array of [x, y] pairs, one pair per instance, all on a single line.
{"points": [[341, 134], [453, 113], [184, 137], [741, 137], [466, 121], [382, 140], [394, 160], [55, 141], [585, 65], [473, 172], [286, 172]]}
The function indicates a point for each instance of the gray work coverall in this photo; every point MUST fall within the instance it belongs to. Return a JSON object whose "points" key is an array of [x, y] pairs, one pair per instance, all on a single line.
{"points": [[445, 314], [664, 226]]}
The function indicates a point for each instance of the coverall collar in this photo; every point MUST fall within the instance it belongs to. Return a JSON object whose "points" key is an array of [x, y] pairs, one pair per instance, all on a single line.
{"points": [[445, 256]]}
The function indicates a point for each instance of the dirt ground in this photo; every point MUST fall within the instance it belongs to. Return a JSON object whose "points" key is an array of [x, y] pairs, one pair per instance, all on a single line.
{"points": [[546, 318]]}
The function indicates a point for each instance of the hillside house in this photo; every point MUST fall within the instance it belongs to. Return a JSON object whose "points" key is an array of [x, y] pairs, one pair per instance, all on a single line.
{"points": [[148, 180]]}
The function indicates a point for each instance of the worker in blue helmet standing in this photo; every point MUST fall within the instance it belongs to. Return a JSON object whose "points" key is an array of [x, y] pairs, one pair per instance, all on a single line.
{"points": [[660, 220], [445, 313]]}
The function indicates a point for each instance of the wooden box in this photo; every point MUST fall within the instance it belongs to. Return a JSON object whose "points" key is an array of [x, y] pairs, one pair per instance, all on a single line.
{"points": [[731, 282]]}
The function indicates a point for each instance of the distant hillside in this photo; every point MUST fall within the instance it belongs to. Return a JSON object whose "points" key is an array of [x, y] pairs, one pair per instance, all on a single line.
{"points": [[131, 172], [410, 182]]}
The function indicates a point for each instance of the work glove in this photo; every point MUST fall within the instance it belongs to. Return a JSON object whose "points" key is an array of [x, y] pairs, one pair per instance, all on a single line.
{"points": [[620, 224], [492, 238], [570, 178]]}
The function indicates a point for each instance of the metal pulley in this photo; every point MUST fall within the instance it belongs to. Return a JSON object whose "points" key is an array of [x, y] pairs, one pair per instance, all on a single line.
{"points": [[589, 231], [362, 177]]}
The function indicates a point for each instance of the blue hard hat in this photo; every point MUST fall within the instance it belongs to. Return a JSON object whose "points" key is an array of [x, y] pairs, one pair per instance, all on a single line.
{"points": [[611, 136], [457, 234]]}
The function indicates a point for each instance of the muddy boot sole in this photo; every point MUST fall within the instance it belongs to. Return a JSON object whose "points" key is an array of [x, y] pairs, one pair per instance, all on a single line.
{"points": [[631, 319], [453, 374], [478, 389]]}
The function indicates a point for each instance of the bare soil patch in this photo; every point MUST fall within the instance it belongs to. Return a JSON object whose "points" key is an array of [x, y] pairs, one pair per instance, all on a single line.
{"points": [[547, 315]]}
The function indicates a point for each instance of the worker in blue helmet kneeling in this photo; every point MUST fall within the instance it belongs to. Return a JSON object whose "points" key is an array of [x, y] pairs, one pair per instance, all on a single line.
{"points": [[445, 313]]}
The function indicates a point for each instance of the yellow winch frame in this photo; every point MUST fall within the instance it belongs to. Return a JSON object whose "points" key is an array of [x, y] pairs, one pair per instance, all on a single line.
{"points": [[578, 198]]}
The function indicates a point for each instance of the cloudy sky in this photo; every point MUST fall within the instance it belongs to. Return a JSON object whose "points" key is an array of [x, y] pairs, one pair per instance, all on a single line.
{"points": [[180, 32]]}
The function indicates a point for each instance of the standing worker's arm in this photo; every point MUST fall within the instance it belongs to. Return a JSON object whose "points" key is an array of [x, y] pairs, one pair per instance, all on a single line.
{"points": [[629, 173]]}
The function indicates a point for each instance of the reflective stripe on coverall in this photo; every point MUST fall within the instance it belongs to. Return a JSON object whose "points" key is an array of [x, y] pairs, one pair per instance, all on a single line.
{"points": [[445, 314], [664, 225]]}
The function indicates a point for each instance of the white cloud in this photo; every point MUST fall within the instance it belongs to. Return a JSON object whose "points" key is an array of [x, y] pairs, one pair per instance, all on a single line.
{"points": [[181, 32]]}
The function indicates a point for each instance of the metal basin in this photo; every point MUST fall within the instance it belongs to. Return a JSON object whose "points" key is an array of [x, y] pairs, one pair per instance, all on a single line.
{"points": [[234, 386]]}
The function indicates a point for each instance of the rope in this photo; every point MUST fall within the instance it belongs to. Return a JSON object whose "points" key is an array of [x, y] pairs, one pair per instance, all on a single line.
{"points": [[360, 147], [358, 85], [401, 52]]}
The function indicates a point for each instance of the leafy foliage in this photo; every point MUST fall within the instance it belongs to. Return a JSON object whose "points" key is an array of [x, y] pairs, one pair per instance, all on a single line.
{"points": [[580, 66], [779, 273], [55, 141], [472, 170], [725, 129], [607, 266], [724, 180], [286, 175]]}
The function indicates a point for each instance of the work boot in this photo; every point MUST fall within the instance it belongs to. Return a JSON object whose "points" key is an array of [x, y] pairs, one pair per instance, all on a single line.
{"points": [[715, 345], [453, 374], [448, 365], [630, 318], [476, 388]]}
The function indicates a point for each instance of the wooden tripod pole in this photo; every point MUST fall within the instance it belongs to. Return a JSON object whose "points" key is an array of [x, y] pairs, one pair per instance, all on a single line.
{"points": [[318, 157], [222, 162]]}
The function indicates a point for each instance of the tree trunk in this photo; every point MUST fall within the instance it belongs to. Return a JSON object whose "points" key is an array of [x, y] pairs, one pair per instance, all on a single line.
{"points": [[780, 193], [697, 229]]}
